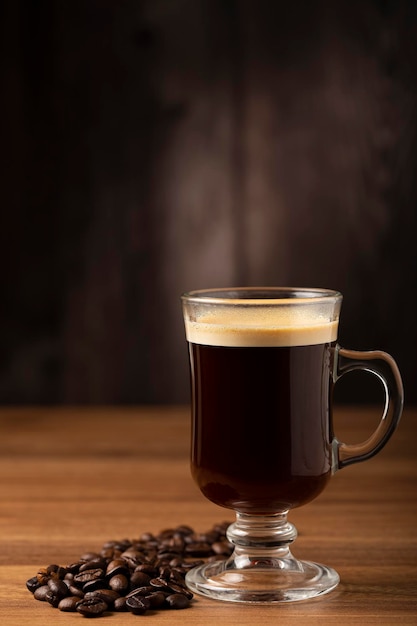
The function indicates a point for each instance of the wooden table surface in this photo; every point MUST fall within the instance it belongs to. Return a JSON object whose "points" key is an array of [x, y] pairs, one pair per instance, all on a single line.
{"points": [[70, 479]]}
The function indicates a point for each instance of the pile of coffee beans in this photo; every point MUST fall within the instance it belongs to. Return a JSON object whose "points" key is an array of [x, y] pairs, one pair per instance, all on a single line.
{"points": [[145, 574]]}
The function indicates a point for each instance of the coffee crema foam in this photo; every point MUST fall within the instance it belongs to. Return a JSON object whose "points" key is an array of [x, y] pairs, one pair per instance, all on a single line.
{"points": [[263, 328]]}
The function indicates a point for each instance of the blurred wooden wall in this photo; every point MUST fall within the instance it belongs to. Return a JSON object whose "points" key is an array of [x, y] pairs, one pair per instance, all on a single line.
{"points": [[156, 146]]}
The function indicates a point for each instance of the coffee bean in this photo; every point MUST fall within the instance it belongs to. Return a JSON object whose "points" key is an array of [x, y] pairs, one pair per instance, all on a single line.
{"points": [[142, 591], [146, 568], [76, 591], [120, 604], [119, 583], [43, 576], [138, 575], [176, 574], [108, 595], [165, 557], [133, 553], [182, 589], [93, 607], [116, 566], [147, 537], [52, 598], [40, 593], [122, 545], [74, 568], [157, 599], [92, 585], [208, 537], [138, 605], [187, 565], [159, 583], [56, 571], [96, 563], [68, 604], [58, 587], [198, 548], [139, 579], [88, 576], [32, 584], [177, 601], [52, 568]]}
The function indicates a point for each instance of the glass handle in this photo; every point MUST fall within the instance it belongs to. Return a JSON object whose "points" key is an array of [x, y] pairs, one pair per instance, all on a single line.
{"points": [[383, 366]]}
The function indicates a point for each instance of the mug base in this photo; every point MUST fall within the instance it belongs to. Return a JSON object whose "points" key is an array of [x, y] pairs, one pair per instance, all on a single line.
{"points": [[259, 584]]}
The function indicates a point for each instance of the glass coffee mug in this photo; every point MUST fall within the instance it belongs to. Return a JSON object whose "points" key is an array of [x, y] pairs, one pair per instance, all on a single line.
{"points": [[263, 365]]}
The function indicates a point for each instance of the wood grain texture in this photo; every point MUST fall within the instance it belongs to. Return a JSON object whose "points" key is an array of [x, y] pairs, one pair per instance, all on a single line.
{"points": [[70, 479]]}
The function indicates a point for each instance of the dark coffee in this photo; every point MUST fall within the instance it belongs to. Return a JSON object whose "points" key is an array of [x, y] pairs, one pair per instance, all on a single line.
{"points": [[261, 421]]}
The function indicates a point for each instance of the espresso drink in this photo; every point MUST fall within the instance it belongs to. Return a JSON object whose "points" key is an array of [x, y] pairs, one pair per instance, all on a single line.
{"points": [[261, 412]]}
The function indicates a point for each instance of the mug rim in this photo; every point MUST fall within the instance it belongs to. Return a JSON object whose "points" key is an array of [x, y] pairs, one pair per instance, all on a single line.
{"points": [[261, 295]]}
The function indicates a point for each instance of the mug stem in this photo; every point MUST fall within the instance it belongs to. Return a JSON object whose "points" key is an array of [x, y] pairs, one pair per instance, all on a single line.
{"points": [[262, 567]]}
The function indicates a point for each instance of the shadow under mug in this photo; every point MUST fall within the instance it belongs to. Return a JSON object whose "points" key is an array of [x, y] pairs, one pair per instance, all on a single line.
{"points": [[263, 365]]}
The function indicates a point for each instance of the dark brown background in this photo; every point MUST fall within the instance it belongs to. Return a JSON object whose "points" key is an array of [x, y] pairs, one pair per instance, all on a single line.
{"points": [[151, 147]]}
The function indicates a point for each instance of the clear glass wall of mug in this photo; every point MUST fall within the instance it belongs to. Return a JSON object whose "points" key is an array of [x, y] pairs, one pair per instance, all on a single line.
{"points": [[263, 365]]}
